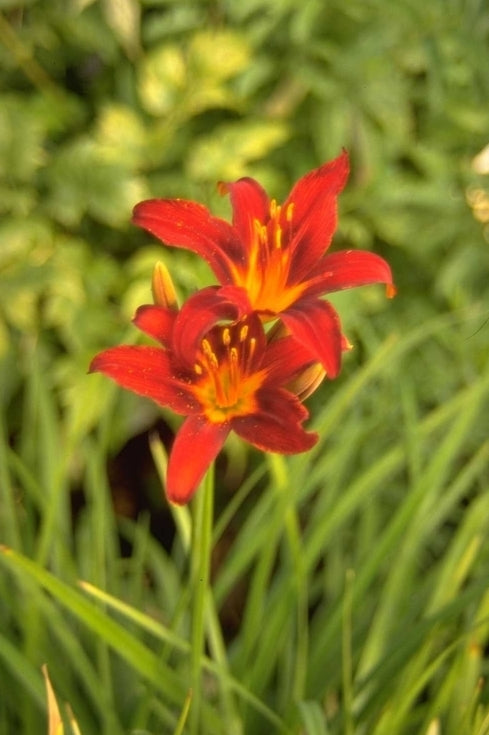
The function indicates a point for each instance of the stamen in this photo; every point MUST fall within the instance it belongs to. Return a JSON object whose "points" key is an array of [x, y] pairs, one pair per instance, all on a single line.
{"points": [[278, 237], [273, 208], [243, 332], [289, 211], [206, 347], [198, 368], [209, 354], [226, 337], [252, 344], [257, 226]]}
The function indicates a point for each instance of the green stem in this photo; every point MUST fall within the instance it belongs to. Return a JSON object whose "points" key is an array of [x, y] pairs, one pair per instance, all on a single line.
{"points": [[200, 574]]}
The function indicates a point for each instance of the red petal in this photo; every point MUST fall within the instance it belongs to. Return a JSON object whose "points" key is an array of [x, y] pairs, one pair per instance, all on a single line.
{"points": [[348, 269], [314, 214], [283, 359], [146, 371], [316, 325], [201, 312], [196, 445], [156, 321], [249, 202], [190, 225], [275, 427]]}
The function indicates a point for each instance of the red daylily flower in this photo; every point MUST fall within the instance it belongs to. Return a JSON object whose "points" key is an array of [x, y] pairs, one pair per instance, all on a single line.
{"points": [[275, 255], [226, 378]]}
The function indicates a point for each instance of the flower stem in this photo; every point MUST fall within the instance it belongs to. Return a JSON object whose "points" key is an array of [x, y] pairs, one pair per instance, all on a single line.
{"points": [[200, 573]]}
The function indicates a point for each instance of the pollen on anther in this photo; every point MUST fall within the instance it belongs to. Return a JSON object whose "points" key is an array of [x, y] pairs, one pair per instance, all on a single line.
{"points": [[289, 211], [226, 337], [206, 347], [278, 238], [198, 368], [243, 332]]}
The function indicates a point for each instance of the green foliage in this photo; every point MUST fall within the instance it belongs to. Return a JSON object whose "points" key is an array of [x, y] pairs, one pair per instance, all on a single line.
{"points": [[350, 585]]}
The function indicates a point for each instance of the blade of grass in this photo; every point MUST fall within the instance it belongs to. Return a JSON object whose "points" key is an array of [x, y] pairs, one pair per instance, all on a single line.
{"points": [[166, 635], [137, 655]]}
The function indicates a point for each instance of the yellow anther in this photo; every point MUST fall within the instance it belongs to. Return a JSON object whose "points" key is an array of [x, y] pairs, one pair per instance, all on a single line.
{"points": [[206, 347], [226, 337], [278, 237], [233, 354], [273, 208], [289, 211], [198, 369], [243, 333]]}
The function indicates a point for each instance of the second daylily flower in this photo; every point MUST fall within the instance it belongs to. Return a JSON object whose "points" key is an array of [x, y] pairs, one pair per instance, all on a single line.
{"points": [[222, 376], [273, 258]]}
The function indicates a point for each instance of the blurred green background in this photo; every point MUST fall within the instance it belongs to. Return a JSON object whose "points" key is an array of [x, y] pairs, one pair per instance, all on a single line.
{"points": [[107, 102]]}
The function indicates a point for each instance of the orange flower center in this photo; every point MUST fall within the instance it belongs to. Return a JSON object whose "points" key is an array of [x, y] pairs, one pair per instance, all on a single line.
{"points": [[267, 273], [225, 383]]}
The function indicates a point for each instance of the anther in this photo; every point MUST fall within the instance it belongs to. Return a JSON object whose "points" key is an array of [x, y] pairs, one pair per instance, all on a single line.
{"points": [[278, 237], [226, 337], [206, 347], [289, 212], [243, 332]]}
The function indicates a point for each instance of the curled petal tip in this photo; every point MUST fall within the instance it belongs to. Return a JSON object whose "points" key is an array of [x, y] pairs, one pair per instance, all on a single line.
{"points": [[179, 500]]}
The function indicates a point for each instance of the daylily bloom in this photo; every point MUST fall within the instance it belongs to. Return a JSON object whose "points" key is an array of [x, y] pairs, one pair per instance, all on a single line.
{"points": [[220, 372], [275, 256]]}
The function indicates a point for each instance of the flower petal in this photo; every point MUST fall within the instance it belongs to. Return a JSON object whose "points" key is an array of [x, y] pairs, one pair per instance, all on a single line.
{"points": [[250, 202], [283, 359], [275, 427], [348, 269], [314, 214], [146, 371], [186, 224], [201, 312], [196, 445], [316, 325], [157, 321]]}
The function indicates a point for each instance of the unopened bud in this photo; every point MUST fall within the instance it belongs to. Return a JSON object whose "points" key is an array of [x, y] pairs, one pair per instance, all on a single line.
{"points": [[307, 381], [164, 293]]}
